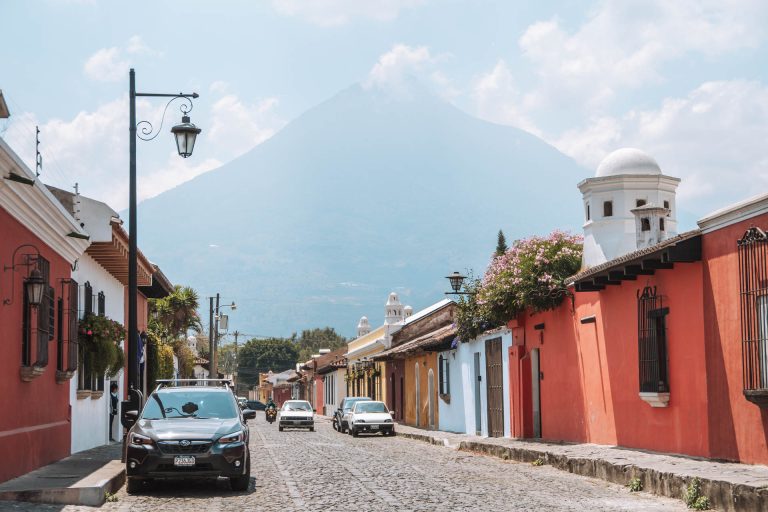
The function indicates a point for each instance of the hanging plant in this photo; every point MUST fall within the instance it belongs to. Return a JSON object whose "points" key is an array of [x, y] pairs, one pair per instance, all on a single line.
{"points": [[528, 276], [101, 337]]}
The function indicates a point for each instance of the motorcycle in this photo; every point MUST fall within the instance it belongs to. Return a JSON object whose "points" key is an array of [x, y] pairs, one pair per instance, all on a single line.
{"points": [[271, 415]]}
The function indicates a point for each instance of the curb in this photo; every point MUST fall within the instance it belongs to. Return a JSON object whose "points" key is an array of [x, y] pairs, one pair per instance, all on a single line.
{"points": [[90, 491], [722, 495]]}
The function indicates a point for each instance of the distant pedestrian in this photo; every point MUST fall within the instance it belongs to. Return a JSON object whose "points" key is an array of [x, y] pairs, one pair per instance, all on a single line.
{"points": [[112, 408]]}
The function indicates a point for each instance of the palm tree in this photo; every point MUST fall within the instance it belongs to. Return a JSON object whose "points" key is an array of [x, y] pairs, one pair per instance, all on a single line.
{"points": [[176, 313]]}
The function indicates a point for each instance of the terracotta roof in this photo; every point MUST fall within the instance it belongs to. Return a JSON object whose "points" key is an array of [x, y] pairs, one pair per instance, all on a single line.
{"points": [[426, 341], [332, 360], [636, 255]]}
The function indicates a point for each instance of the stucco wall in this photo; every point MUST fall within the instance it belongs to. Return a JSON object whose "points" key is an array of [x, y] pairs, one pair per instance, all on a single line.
{"points": [[34, 416], [90, 416], [425, 362]]}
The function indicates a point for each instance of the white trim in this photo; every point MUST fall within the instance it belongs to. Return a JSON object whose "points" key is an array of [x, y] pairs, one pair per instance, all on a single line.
{"points": [[37, 209], [737, 212], [655, 399]]}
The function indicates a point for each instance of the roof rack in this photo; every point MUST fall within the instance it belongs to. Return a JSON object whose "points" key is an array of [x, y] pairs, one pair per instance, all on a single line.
{"points": [[167, 383]]}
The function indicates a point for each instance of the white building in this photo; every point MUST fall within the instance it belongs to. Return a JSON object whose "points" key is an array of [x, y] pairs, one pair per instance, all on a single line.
{"points": [[467, 410], [629, 204]]}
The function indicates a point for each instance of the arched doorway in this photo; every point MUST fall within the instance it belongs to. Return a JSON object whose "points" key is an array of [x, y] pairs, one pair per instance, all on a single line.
{"points": [[431, 397], [418, 395]]}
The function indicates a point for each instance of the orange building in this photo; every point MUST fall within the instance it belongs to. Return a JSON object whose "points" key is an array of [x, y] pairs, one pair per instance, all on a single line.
{"points": [[664, 348]]}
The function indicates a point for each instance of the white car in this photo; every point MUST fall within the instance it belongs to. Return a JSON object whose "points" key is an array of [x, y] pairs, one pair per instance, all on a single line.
{"points": [[371, 417], [296, 414]]}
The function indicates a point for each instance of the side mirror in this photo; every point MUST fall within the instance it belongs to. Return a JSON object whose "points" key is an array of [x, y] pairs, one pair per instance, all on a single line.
{"points": [[249, 414], [314, 410], [129, 418]]}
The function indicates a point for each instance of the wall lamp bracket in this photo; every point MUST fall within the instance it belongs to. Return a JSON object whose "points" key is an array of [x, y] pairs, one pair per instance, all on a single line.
{"points": [[588, 319], [34, 278]]}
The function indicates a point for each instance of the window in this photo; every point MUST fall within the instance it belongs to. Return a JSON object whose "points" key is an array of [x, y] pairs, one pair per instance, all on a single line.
{"points": [[753, 288], [42, 318], [588, 216], [666, 205], [645, 224], [652, 342], [444, 375], [639, 203], [71, 340], [101, 304], [87, 299], [661, 224], [608, 209]]}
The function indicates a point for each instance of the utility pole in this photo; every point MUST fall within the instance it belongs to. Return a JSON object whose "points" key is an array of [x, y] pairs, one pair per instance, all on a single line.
{"points": [[210, 338], [234, 372], [214, 353]]}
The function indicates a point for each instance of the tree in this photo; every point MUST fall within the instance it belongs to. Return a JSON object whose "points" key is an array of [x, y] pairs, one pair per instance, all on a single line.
{"points": [[226, 360], [260, 356], [176, 314], [501, 245], [312, 340]]}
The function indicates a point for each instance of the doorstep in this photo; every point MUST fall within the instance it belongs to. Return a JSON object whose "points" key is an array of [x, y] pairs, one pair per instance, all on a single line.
{"points": [[729, 486], [80, 479]]}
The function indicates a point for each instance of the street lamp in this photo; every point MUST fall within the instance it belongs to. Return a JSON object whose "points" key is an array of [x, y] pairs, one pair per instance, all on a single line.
{"points": [[185, 135], [456, 280], [35, 287]]}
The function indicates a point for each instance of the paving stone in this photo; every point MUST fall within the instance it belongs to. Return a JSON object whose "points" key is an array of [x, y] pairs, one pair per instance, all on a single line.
{"points": [[322, 470]]}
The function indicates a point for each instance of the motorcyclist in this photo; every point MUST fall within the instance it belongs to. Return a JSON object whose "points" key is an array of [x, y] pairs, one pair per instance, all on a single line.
{"points": [[271, 404]]}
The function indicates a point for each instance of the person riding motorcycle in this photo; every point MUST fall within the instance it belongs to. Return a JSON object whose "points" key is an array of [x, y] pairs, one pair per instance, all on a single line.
{"points": [[271, 410]]}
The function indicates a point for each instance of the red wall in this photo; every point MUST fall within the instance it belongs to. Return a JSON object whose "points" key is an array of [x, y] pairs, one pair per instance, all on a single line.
{"points": [[319, 394], [590, 388], [34, 416], [738, 428]]}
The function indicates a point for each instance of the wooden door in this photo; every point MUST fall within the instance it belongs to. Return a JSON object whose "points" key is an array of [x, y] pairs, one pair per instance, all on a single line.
{"points": [[494, 387]]}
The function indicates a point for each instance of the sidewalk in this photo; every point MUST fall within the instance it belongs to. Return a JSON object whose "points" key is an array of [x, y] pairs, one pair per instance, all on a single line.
{"points": [[80, 479], [729, 486]]}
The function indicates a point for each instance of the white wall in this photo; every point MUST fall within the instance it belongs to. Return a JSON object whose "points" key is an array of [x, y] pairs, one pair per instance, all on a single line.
{"points": [[90, 417], [459, 415]]}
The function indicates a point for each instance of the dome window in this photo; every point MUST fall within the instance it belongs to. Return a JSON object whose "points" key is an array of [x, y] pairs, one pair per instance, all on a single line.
{"points": [[661, 224], [608, 209], [588, 211], [639, 203], [645, 224]]}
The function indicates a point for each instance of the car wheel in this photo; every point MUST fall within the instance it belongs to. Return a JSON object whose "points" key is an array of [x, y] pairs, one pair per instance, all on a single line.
{"points": [[240, 483], [354, 432], [133, 485], [280, 429], [392, 433], [311, 429]]}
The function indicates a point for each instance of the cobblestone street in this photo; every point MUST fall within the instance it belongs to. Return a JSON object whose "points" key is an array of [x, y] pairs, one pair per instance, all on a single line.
{"points": [[324, 470]]}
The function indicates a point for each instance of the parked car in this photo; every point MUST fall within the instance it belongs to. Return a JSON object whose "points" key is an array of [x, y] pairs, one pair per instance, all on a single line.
{"points": [[242, 402], [371, 417], [296, 414], [188, 431], [340, 415], [255, 405]]}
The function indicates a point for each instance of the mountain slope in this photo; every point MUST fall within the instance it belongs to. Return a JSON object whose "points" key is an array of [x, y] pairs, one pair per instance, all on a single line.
{"points": [[363, 194]]}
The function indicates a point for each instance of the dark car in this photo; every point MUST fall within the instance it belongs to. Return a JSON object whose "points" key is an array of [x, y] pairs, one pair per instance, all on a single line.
{"points": [[339, 421], [189, 431], [255, 405]]}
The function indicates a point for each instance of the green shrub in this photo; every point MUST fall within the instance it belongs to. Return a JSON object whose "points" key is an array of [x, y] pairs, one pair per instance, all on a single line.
{"points": [[693, 498], [635, 485]]}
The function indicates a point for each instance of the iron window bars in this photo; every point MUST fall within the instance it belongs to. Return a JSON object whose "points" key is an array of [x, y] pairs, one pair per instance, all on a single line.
{"points": [[44, 319], [753, 288], [652, 341]]}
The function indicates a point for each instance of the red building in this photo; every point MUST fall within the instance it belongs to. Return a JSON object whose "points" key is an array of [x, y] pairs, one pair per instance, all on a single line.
{"points": [[664, 348], [39, 243]]}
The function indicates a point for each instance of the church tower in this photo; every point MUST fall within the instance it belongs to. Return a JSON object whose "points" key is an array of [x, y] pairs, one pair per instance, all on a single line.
{"points": [[628, 205]]}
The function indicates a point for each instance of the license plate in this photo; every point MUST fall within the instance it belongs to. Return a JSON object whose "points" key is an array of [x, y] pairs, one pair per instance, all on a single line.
{"points": [[374, 427], [184, 461]]}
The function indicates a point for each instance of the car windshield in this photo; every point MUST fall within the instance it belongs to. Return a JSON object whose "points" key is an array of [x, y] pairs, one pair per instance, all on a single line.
{"points": [[349, 404], [296, 406], [189, 404], [362, 407]]}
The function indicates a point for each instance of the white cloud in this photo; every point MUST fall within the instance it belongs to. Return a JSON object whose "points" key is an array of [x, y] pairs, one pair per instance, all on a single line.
{"points": [[713, 138], [237, 126], [405, 69], [625, 44], [339, 12], [92, 147], [112, 64], [497, 99]]}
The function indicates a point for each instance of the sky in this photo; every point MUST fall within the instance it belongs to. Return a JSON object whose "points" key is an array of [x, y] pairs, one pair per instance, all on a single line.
{"points": [[685, 81]]}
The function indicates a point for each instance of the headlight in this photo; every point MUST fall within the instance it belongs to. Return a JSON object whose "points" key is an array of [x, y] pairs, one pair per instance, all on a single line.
{"points": [[387, 421], [234, 437], [138, 439], [358, 421]]}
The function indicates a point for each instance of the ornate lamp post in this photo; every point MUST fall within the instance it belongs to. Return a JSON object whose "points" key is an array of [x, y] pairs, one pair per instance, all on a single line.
{"points": [[456, 280], [185, 134]]}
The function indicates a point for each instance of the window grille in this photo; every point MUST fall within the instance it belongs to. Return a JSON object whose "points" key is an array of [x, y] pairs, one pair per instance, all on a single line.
{"points": [[102, 299], [60, 356], [72, 320], [753, 287], [652, 341], [44, 319], [88, 299], [444, 375]]}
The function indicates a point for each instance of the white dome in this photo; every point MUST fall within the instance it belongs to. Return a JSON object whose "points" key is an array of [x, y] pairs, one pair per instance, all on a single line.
{"points": [[627, 161], [393, 300]]}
